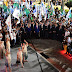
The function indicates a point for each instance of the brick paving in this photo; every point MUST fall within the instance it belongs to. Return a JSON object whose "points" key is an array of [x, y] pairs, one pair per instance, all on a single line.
{"points": [[52, 49]]}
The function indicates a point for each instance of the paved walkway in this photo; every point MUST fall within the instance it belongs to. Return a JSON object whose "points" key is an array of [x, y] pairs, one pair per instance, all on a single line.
{"points": [[53, 49], [31, 66]]}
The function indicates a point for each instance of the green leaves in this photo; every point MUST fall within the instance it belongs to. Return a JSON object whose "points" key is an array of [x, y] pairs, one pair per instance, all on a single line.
{"points": [[69, 4]]}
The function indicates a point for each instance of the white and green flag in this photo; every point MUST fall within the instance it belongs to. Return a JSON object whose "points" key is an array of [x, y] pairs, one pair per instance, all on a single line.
{"points": [[16, 13], [52, 8], [69, 14], [8, 22]]}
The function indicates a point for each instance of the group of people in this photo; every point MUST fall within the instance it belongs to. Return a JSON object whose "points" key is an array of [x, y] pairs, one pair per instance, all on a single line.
{"points": [[22, 54], [8, 40], [54, 27]]}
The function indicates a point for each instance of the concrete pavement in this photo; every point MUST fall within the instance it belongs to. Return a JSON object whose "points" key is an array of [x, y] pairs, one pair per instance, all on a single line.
{"points": [[31, 66]]}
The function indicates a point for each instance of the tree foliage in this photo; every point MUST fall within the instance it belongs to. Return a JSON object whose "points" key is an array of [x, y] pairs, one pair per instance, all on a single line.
{"points": [[69, 4]]}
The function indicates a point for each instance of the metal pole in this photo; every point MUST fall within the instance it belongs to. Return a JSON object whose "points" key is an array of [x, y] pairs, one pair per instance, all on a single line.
{"points": [[63, 4], [37, 56]]}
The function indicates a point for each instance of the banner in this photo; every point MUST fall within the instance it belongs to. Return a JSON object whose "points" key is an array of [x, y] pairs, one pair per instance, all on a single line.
{"points": [[8, 22], [16, 13]]}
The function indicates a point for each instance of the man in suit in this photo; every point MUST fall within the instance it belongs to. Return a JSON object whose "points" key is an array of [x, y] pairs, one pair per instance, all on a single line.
{"points": [[41, 30], [36, 30]]}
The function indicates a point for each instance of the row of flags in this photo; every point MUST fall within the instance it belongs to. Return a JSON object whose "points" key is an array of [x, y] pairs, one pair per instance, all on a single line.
{"points": [[42, 11]]}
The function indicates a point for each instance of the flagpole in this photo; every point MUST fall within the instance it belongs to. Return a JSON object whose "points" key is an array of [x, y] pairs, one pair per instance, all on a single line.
{"points": [[10, 16]]}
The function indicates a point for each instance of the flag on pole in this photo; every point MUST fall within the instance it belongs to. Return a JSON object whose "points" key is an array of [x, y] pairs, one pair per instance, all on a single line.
{"points": [[18, 21], [35, 11], [40, 17], [69, 14], [8, 22], [52, 7], [11, 10], [61, 9], [1, 4], [27, 4], [5, 8], [26, 11], [45, 15], [16, 5], [63, 13], [43, 9], [16, 13], [31, 18], [6, 2]]}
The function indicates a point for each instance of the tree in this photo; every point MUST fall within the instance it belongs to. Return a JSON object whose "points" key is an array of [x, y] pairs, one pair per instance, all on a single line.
{"points": [[69, 4]]}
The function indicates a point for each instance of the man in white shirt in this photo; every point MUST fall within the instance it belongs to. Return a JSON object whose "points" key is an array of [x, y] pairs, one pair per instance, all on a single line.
{"points": [[24, 51], [67, 33], [19, 57]]}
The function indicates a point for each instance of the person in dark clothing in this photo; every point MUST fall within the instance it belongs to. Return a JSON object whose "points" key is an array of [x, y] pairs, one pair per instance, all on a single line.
{"points": [[36, 30], [59, 32], [18, 36], [32, 30], [50, 30], [54, 29], [28, 31], [41, 30], [46, 30]]}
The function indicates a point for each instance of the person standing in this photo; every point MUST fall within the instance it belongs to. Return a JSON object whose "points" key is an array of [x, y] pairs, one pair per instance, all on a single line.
{"points": [[36, 30], [50, 30], [24, 51], [7, 41], [32, 29], [2, 49], [28, 30], [42, 30], [14, 36], [19, 57], [8, 60]]}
